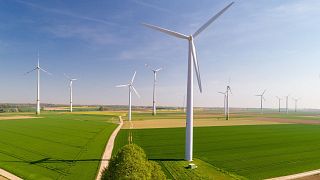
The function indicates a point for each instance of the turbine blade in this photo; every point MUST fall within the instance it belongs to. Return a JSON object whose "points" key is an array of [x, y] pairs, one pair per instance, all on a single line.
{"points": [[222, 93], [147, 65], [211, 20], [196, 65], [38, 59], [263, 92], [45, 71], [30, 71], [135, 91], [65, 75], [134, 75], [159, 69], [169, 32], [122, 85]]}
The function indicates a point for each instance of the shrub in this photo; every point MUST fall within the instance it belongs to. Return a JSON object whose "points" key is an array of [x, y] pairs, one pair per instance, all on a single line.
{"points": [[131, 163], [156, 172]]}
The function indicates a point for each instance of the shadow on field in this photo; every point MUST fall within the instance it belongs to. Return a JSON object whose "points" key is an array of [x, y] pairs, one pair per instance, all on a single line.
{"points": [[49, 160], [177, 159]]}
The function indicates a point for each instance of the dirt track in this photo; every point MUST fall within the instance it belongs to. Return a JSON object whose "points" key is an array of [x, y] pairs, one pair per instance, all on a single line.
{"points": [[314, 177], [291, 121], [171, 123], [16, 117], [3, 178]]}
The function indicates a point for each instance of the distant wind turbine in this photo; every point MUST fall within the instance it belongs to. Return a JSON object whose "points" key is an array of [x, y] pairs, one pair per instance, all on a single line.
{"points": [[184, 103], [287, 105], [70, 87], [295, 103], [261, 101], [226, 102], [192, 63], [279, 102], [38, 69], [131, 88], [154, 110]]}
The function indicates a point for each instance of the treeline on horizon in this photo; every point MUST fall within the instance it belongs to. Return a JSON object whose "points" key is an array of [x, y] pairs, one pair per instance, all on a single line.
{"points": [[29, 107]]}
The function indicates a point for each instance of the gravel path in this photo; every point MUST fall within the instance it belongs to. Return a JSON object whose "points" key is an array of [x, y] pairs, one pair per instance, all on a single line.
{"points": [[300, 176], [7, 175], [108, 150]]}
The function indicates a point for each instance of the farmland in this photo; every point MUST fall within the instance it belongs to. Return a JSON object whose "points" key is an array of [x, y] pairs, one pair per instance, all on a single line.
{"points": [[250, 151], [54, 146], [69, 145]]}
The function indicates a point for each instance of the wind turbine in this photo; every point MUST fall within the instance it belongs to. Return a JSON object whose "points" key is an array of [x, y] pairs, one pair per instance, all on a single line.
{"points": [[131, 88], [154, 110], [261, 100], [192, 63], [38, 69], [287, 108], [295, 103], [184, 103], [70, 86], [224, 102], [279, 101], [227, 101]]}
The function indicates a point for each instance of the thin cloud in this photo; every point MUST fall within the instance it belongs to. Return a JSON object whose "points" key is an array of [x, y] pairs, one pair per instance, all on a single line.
{"points": [[65, 13], [97, 35], [151, 6]]}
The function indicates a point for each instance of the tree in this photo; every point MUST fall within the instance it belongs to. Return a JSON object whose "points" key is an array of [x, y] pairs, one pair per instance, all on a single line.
{"points": [[131, 163]]}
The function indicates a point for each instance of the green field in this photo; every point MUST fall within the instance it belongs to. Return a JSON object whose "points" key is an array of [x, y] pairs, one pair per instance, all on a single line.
{"points": [[57, 146], [253, 152]]}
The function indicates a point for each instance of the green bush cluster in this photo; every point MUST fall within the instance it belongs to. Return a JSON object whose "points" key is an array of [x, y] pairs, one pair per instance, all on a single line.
{"points": [[131, 163]]}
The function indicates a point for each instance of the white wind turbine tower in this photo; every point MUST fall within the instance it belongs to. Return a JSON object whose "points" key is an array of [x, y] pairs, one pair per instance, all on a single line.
{"points": [[261, 101], [131, 88], [38, 69], [227, 102], [295, 103], [192, 63], [287, 105], [224, 102], [154, 110], [279, 102], [70, 88], [184, 103]]}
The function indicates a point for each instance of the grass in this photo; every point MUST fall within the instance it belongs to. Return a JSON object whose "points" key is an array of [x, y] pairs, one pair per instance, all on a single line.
{"points": [[57, 146], [178, 169], [253, 152]]}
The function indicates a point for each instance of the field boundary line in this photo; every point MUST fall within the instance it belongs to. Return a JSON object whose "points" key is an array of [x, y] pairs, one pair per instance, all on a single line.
{"points": [[9, 175], [295, 176], [108, 150]]}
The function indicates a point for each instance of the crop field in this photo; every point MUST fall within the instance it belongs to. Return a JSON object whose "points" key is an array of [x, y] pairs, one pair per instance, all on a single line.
{"points": [[55, 146], [251, 151]]}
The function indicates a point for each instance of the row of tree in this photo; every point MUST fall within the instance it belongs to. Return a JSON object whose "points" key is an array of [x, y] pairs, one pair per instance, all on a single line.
{"points": [[131, 163]]}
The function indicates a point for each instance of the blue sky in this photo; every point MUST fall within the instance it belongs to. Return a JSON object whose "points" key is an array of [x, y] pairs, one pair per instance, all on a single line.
{"points": [[265, 44]]}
